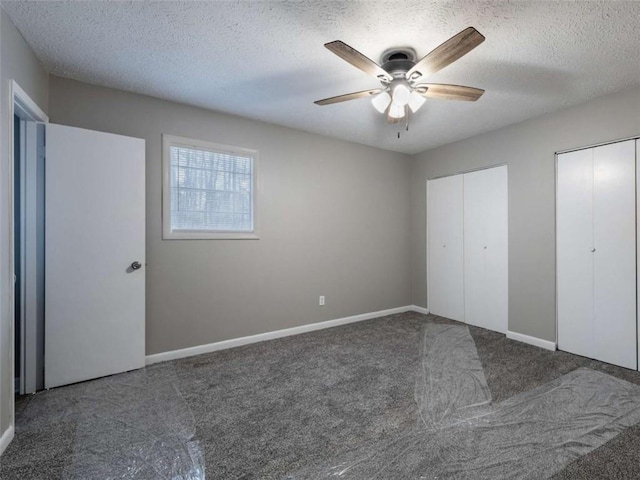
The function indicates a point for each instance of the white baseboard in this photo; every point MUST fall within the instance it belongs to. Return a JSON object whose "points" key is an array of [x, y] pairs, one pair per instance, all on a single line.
{"points": [[6, 438], [416, 308], [261, 337], [538, 342]]}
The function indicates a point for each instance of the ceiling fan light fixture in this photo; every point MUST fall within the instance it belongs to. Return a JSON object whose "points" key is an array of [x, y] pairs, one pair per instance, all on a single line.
{"points": [[400, 71], [416, 101], [396, 111], [381, 102], [401, 94]]}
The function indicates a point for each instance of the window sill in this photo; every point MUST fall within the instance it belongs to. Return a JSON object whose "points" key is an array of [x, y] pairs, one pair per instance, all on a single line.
{"points": [[185, 235]]}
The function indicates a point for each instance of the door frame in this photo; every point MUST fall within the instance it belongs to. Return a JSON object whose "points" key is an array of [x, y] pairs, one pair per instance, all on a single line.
{"points": [[19, 103]]}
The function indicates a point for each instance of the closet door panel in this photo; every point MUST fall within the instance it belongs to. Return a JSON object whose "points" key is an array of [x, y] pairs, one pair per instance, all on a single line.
{"points": [[615, 256], [444, 218], [486, 248], [574, 217], [475, 226]]}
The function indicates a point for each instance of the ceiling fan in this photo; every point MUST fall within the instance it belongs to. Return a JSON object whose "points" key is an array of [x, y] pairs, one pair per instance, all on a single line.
{"points": [[401, 76]]}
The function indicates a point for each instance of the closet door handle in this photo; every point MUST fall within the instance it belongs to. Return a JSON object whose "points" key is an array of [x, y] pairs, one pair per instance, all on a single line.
{"points": [[593, 250]]}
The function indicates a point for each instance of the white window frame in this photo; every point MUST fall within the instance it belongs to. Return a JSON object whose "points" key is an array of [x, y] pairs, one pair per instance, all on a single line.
{"points": [[172, 140]]}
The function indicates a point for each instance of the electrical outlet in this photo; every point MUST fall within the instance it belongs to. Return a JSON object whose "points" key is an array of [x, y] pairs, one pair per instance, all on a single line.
{"points": [[321, 301]]}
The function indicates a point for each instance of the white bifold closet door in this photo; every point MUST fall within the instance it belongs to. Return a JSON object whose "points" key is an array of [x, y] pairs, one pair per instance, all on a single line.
{"points": [[596, 253], [486, 248], [445, 247]]}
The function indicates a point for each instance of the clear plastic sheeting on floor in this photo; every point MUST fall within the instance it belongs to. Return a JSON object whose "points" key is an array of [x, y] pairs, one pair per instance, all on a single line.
{"points": [[451, 385], [135, 426], [146, 429], [459, 435]]}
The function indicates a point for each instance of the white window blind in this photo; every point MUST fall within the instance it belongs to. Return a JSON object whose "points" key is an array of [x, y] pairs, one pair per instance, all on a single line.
{"points": [[211, 189]]}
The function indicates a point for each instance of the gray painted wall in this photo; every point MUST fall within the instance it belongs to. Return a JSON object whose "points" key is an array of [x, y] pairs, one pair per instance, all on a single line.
{"points": [[334, 221], [528, 148], [17, 62]]}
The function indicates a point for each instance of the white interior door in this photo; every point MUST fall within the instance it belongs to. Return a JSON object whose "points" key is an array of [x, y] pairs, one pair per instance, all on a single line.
{"points": [[614, 300], [445, 247], [486, 248], [95, 230], [574, 217]]}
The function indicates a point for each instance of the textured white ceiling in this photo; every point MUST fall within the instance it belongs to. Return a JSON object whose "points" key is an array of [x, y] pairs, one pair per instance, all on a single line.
{"points": [[265, 59]]}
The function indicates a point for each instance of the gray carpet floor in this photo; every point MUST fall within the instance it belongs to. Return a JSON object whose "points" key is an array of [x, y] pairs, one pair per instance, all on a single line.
{"points": [[267, 410]]}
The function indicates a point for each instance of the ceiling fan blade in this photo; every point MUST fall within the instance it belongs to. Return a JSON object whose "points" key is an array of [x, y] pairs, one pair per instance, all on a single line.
{"points": [[348, 96], [449, 92], [447, 53], [358, 60]]}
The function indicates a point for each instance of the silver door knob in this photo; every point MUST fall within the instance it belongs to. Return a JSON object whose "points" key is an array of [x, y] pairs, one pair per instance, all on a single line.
{"points": [[485, 247], [136, 266], [444, 246], [593, 250]]}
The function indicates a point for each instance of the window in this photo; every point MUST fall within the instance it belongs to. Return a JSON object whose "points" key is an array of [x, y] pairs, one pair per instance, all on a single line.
{"points": [[209, 190]]}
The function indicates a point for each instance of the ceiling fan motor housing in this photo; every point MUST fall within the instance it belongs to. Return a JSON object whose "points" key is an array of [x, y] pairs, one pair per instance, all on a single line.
{"points": [[398, 61]]}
